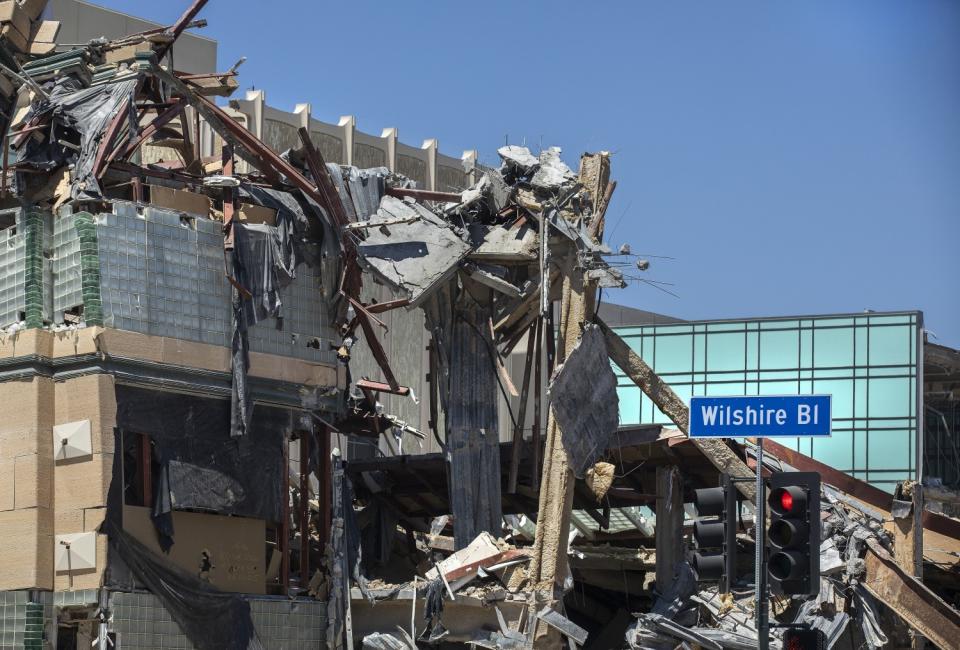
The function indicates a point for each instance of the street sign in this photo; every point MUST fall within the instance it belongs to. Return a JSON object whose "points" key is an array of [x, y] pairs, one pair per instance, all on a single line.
{"points": [[760, 416]]}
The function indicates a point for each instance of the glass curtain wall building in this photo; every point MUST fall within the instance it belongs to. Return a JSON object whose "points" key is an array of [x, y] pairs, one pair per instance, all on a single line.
{"points": [[870, 363]]}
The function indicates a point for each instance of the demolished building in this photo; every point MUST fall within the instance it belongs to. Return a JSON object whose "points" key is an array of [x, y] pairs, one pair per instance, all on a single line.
{"points": [[190, 345]]}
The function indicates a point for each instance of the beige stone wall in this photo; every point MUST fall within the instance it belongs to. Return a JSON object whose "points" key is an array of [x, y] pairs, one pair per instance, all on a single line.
{"points": [[81, 484], [41, 498], [26, 484]]}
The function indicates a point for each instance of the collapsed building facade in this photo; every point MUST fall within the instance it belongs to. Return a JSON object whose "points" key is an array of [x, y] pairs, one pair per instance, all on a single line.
{"points": [[190, 346]]}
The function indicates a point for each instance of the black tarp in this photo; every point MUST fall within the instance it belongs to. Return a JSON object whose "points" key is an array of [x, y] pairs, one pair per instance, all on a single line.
{"points": [[264, 261], [83, 112], [201, 467], [210, 618]]}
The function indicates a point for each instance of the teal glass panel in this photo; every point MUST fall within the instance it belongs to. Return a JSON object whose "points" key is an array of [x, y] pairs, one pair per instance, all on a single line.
{"points": [[833, 347], [888, 397], [780, 388], [888, 450], [725, 352], [779, 350], [673, 353], [629, 405], [699, 352], [890, 345], [734, 326], [836, 451], [859, 450], [806, 348], [842, 391], [753, 350]]}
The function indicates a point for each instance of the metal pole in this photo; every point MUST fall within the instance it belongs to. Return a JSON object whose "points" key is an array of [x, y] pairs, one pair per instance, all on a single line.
{"points": [[760, 573]]}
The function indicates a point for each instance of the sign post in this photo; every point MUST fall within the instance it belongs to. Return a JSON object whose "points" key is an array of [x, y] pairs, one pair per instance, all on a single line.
{"points": [[760, 417]]}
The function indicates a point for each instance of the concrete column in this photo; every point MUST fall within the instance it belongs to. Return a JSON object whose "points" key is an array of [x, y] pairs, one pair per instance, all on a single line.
{"points": [[469, 160], [348, 124], [390, 134], [258, 100], [431, 145], [302, 111]]}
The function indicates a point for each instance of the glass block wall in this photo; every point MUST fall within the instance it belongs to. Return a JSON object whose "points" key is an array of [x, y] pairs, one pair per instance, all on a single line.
{"points": [[162, 273], [869, 362]]}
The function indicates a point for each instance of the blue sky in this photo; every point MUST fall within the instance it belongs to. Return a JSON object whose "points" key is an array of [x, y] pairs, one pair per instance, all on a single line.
{"points": [[794, 158]]}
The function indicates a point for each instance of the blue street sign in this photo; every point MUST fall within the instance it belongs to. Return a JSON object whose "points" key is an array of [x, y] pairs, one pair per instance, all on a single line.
{"points": [[760, 417]]}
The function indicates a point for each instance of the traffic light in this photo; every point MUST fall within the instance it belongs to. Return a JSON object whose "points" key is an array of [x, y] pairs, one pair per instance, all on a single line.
{"points": [[716, 538], [793, 565], [804, 639]]}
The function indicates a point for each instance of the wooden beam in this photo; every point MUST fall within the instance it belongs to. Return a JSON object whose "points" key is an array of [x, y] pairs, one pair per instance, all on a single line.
{"points": [[660, 393], [919, 607]]}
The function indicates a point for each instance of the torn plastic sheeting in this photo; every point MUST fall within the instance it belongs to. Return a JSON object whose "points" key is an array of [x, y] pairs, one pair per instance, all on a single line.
{"points": [[292, 224], [414, 257], [89, 112], [264, 263], [198, 488], [583, 396], [367, 187], [210, 618]]}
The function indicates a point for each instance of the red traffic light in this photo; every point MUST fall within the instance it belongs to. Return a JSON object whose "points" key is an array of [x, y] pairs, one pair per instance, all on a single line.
{"points": [[786, 500]]}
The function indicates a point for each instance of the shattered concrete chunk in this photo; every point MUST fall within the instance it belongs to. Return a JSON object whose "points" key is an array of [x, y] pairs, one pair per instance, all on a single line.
{"points": [[519, 157], [584, 400], [553, 172], [415, 257]]}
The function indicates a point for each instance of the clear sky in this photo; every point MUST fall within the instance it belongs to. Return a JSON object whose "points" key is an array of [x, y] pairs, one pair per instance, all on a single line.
{"points": [[794, 158]]}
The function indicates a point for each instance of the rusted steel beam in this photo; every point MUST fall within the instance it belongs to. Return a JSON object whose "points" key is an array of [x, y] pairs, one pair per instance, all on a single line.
{"points": [[180, 26], [380, 307], [368, 384], [424, 195], [148, 131], [376, 349], [99, 163], [660, 393], [318, 169], [856, 488], [918, 606]]}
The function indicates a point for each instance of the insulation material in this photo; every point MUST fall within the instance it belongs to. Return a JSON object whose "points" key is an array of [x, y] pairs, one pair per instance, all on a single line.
{"points": [[583, 396]]}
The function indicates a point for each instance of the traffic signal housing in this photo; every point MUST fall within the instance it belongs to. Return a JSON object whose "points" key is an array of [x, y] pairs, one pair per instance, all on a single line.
{"points": [[716, 537], [793, 562], [804, 639]]}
